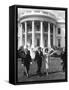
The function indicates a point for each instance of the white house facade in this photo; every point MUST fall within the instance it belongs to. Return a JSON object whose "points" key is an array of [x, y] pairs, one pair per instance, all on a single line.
{"points": [[40, 28]]}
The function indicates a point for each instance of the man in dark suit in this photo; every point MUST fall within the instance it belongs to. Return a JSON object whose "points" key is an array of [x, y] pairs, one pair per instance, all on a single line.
{"points": [[21, 54], [64, 61], [38, 59], [27, 60]]}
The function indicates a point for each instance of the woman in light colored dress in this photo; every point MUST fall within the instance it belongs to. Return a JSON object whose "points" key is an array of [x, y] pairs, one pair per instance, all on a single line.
{"points": [[47, 53]]}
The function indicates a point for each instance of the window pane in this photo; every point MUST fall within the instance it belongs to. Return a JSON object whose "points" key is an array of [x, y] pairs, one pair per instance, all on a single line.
{"points": [[45, 43], [38, 42], [37, 25], [29, 26], [23, 27], [45, 26], [59, 31], [51, 40], [58, 42]]}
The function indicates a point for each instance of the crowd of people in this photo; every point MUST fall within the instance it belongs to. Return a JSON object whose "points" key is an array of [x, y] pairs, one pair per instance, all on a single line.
{"points": [[27, 55]]}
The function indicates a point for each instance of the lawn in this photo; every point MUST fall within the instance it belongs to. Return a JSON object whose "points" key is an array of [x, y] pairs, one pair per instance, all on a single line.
{"points": [[55, 71]]}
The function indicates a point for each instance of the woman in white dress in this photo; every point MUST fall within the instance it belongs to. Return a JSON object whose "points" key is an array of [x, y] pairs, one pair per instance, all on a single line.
{"points": [[47, 53]]}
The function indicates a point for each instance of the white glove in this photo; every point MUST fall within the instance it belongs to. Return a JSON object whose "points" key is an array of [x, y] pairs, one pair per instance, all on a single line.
{"points": [[30, 62], [22, 64]]}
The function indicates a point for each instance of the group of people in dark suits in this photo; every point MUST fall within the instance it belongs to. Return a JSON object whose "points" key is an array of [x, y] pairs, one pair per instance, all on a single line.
{"points": [[24, 54]]}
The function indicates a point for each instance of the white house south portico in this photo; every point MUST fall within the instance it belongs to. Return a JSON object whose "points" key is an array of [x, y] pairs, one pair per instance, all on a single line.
{"points": [[38, 28]]}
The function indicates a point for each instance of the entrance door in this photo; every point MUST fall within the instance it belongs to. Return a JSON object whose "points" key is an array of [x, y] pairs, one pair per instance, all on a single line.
{"points": [[45, 43], [38, 42]]}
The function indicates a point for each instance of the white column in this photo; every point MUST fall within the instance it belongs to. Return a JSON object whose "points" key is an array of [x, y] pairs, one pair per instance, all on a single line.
{"points": [[54, 28], [33, 35], [41, 35], [19, 35], [56, 43], [49, 39], [25, 34]]}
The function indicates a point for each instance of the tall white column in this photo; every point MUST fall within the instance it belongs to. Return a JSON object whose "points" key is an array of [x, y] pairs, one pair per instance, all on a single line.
{"points": [[19, 35], [49, 39], [41, 35], [25, 34], [33, 35], [56, 43], [54, 35]]}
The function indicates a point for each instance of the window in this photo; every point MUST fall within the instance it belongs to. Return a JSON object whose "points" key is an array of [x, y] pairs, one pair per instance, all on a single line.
{"points": [[51, 28], [45, 43], [23, 36], [30, 41], [45, 26], [59, 30], [51, 40], [38, 42], [59, 43], [37, 25], [29, 26], [23, 27]]}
